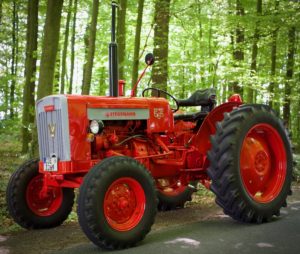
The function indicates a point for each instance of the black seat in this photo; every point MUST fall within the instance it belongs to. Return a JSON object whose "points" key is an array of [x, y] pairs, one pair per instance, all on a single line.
{"points": [[206, 97]]}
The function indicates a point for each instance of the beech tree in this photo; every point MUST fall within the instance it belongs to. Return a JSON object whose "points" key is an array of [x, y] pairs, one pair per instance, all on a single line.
{"points": [[14, 59], [73, 46], [161, 44], [238, 52], [137, 42], [65, 49], [88, 68], [256, 36], [49, 48], [121, 36], [30, 72], [289, 74]]}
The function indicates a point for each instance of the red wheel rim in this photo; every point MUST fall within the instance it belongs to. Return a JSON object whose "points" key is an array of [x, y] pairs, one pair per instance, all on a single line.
{"points": [[263, 163], [170, 187], [43, 205], [124, 204]]}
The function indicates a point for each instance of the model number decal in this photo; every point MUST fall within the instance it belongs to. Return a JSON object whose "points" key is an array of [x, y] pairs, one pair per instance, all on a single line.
{"points": [[118, 114]]}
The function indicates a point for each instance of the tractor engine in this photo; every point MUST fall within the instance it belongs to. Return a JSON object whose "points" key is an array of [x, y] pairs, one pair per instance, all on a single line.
{"points": [[76, 132]]}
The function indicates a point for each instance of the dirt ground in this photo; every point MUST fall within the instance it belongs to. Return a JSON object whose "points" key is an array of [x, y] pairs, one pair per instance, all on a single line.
{"points": [[69, 234]]}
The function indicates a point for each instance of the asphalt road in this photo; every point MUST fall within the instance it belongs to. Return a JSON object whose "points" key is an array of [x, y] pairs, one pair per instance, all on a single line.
{"points": [[185, 232], [220, 236]]}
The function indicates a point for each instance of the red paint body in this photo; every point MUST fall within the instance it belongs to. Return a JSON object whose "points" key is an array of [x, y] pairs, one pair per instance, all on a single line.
{"points": [[169, 149]]}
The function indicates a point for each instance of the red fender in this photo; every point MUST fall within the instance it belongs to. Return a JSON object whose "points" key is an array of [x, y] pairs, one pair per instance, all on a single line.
{"points": [[208, 128]]}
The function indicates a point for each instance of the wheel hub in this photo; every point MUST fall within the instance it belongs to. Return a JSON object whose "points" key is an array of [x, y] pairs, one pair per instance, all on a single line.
{"points": [[124, 204], [263, 163], [43, 205]]}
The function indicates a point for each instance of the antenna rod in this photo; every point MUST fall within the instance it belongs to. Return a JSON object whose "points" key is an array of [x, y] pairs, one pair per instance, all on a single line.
{"points": [[113, 54]]}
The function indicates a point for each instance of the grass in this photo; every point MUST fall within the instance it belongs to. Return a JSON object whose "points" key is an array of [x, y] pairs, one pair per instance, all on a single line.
{"points": [[10, 159]]}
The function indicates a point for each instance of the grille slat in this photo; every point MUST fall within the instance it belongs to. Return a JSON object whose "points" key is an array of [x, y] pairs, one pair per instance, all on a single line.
{"points": [[58, 119], [50, 145]]}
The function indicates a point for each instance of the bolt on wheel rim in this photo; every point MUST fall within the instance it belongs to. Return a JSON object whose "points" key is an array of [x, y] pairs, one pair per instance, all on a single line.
{"points": [[124, 204], [263, 163]]}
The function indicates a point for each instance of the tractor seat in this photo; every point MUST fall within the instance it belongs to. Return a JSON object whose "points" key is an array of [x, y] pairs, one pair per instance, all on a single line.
{"points": [[206, 97]]}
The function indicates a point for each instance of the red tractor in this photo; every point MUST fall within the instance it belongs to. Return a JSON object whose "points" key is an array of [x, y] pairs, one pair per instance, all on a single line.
{"points": [[130, 156]]}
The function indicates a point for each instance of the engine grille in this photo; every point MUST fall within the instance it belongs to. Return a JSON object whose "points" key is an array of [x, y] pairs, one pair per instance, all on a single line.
{"points": [[53, 128], [50, 144]]}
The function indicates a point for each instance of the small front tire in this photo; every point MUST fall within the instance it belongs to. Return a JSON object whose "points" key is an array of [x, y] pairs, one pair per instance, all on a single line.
{"points": [[117, 203], [30, 210]]}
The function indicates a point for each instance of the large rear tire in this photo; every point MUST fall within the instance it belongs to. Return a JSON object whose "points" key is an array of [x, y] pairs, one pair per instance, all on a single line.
{"points": [[117, 203], [251, 164], [26, 206]]}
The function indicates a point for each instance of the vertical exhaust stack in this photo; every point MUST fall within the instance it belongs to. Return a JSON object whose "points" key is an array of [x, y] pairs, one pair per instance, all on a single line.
{"points": [[113, 54]]}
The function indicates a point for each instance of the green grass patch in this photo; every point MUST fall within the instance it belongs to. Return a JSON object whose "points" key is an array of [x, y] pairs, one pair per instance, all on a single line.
{"points": [[10, 159]]}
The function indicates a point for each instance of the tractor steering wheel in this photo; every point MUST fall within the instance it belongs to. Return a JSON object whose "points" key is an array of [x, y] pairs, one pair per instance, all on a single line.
{"points": [[159, 91]]}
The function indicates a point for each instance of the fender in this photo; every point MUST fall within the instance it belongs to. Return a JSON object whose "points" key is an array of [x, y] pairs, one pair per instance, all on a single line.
{"points": [[208, 128]]}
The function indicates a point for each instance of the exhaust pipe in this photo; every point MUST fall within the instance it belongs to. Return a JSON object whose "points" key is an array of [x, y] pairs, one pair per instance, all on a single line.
{"points": [[113, 54]]}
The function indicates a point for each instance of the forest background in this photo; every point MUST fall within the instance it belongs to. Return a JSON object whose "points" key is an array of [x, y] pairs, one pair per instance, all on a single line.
{"points": [[47, 47]]}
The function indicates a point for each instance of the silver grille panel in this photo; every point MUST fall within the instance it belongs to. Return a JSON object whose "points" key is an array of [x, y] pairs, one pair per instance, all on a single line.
{"points": [[53, 128]]}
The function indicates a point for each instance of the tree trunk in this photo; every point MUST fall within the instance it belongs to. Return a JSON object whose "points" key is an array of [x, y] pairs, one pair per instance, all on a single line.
{"points": [[273, 87], [6, 67], [50, 46], [297, 134], [251, 92], [121, 36], [210, 56], [137, 43], [161, 42], [30, 71], [273, 84], [65, 49], [73, 47], [56, 80], [91, 50], [289, 74], [201, 43], [1, 2], [224, 93], [86, 49], [13, 68], [102, 81], [183, 88], [238, 54]]}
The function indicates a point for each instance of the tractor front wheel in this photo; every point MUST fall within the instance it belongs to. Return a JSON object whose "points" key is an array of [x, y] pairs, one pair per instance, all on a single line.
{"points": [[251, 164], [117, 203], [28, 208]]}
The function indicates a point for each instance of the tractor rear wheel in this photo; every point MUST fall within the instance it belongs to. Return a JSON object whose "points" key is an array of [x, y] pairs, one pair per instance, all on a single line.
{"points": [[173, 194], [251, 164], [28, 208], [117, 203]]}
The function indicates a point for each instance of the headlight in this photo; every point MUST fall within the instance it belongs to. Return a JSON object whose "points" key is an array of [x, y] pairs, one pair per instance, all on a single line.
{"points": [[94, 126]]}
